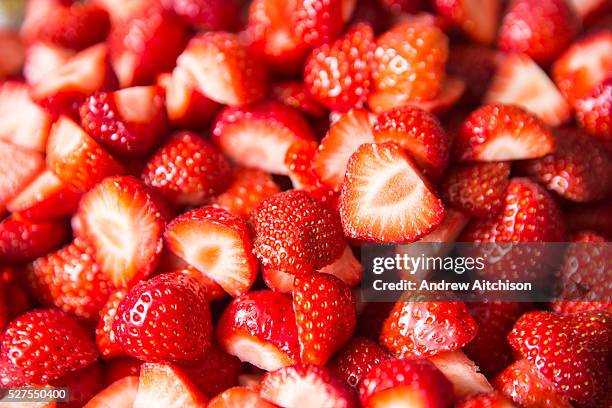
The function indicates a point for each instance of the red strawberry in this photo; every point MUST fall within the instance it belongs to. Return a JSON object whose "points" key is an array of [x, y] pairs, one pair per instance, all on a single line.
{"points": [[520, 81], [597, 217], [318, 21], [23, 240], [259, 135], [579, 169], [278, 280], [298, 161], [83, 385], [105, 336], [296, 233], [123, 221], [346, 268], [420, 134], [462, 372], [502, 132], [415, 382], [478, 20], [306, 386], [590, 10], [75, 158], [119, 368], [215, 15], [239, 397], [177, 315], [41, 59], [17, 168], [410, 59], [126, 122], [541, 30], [357, 358], [43, 345], [120, 394], [522, 383], [338, 74], [476, 189], [593, 112], [124, 10], [260, 328], [295, 95], [166, 386], [142, 47], [385, 199], [474, 64], [402, 6], [486, 400], [213, 290], [17, 299], [187, 170], [222, 68], [217, 372], [12, 54]]}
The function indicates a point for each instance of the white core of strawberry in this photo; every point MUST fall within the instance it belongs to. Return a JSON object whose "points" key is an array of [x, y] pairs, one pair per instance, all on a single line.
{"points": [[462, 372], [66, 137], [161, 387], [136, 104], [506, 147], [301, 391], [260, 353], [119, 394]]}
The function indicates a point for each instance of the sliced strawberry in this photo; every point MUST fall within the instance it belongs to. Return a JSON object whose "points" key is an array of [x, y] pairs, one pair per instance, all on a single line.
{"points": [[318, 21], [46, 197], [145, 46], [346, 268], [165, 386], [477, 19], [215, 15], [120, 394], [593, 112], [278, 280], [217, 372], [239, 397], [474, 64], [477, 189], [23, 240], [502, 132], [520, 81], [259, 135], [12, 54], [462, 373], [405, 382], [44, 345], [17, 168], [213, 290], [187, 170], [449, 229], [486, 400], [305, 386], [106, 340], [119, 368], [541, 32], [83, 384], [36, 13], [222, 68], [298, 161], [123, 221], [124, 10], [385, 199], [295, 95], [589, 10], [402, 6], [41, 59], [357, 358], [17, 299], [260, 328]]}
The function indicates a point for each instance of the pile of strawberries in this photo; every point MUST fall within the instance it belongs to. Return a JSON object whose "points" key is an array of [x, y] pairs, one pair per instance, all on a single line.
{"points": [[185, 186]]}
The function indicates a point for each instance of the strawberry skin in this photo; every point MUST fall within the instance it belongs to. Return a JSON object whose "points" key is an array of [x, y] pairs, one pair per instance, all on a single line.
{"points": [[478, 20], [215, 15], [216, 373], [176, 313], [474, 64], [105, 336], [490, 400], [295, 95], [594, 111], [318, 21], [17, 168], [357, 358], [23, 240]]}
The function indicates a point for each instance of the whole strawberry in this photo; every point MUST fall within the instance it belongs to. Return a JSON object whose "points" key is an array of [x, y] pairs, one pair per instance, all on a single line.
{"points": [[356, 359]]}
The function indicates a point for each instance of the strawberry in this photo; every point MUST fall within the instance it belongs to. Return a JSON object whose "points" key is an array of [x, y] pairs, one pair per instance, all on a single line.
{"points": [[541, 31], [357, 358], [218, 244], [402, 6], [420, 134], [579, 169], [75, 158], [306, 386], [278, 280], [217, 372], [416, 328], [216, 15], [42, 59], [12, 54], [478, 20], [462, 372], [597, 217], [345, 135], [177, 315], [410, 59], [120, 394], [522, 383], [17, 299], [22, 122], [295, 95], [500, 132], [486, 400], [213, 290], [449, 229], [259, 135], [105, 336], [43, 345], [298, 161], [22, 240], [520, 81], [405, 382], [123, 221], [83, 384], [318, 21], [370, 12], [17, 168], [589, 10], [223, 69], [4, 312], [124, 10], [474, 64], [325, 312], [119, 368], [296, 233], [166, 386], [380, 176], [584, 65], [145, 46], [239, 397], [128, 122], [187, 170], [248, 189], [593, 112], [338, 74], [476, 189], [346, 268]]}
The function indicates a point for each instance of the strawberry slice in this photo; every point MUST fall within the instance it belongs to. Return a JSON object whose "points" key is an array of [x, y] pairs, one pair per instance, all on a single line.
{"points": [[295, 95], [106, 340], [222, 68], [120, 394], [41, 59], [590, 10], [239, 397], [23, 240], [123, 221], [165, 386], [17, 168], [216, 373], [357, 358], [278, 280], [486, 400], [213, 290], [259, 135], [477, 19], [520, 81], [75, 158], [462, 373], [124, 10], [12, 54], [298, 160], [347, 268], [215, 15], [593, 112], [385, 199], [502, 132]]}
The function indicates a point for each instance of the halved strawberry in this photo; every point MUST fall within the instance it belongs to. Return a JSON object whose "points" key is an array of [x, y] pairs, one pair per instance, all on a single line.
{"points": [[106, 340], [215, 15], [12, 54], [593, 112], [306, 386], [486, 400], [298, 161], [22, 240], [213, 290], [41, 59], [215, 373], [278, 280], [123, 221], [120, 394], [17, 168], [259, 135], [222, 68], [448, 230], [124, 10], [590, 10], [347, 268], [385, 199], [36, 12], [239, 397], [119, 368], [260, 328], [462, 373], [75, 158], [479, 20], [318, 21], [357, 358], [22, 122], [502, 132], [520, 81], [165, 386], [295, 95]]}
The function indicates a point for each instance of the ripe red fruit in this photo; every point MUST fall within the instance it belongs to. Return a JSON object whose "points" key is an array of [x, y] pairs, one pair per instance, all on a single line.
{"points": [[166, 386], [479, 20], [22, 240], [119, 394], [298, 160], [462, 372], [488, 400], [170, 310], [318, 21], [17, 168], [295, 95], [357, 358], [474, 64], [118, 368], [214, 374], [593, 112], [239, 397], [106, 340], [215, 15]]}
